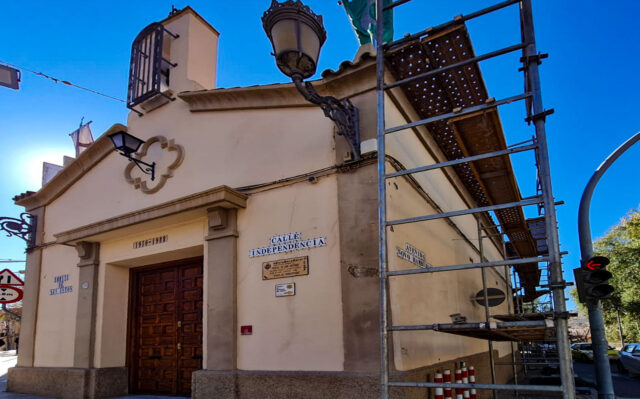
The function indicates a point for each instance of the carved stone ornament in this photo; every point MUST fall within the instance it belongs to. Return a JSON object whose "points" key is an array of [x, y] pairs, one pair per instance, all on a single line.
{"points": [[88, 252], [165, 144]]}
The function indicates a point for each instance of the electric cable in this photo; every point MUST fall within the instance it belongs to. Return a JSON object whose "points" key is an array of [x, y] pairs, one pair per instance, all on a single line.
{"points": [[66, 82]]}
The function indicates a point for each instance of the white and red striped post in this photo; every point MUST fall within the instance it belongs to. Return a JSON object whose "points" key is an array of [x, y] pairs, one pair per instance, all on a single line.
{"points": [[447, 378], [465, 380], [472, 380], [459, 381], [439, 390]]}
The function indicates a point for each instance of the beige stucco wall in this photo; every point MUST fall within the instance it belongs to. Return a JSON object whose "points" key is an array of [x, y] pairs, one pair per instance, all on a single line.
{"points": [[195, 52], [235, 148], [56, 324], [201, 58], [301, 332], [117, 257]]}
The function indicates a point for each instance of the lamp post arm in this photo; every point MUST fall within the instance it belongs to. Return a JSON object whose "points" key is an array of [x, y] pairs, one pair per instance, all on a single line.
{"points": [[594, 306], [584, 226], [342, 112]]}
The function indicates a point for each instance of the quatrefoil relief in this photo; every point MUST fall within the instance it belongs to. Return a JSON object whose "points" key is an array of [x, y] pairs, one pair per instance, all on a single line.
{"points": [[161, 151]]}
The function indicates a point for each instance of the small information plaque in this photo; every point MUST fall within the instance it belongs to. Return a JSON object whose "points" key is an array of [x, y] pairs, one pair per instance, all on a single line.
{"points": [[288, 289], [284, 268]]}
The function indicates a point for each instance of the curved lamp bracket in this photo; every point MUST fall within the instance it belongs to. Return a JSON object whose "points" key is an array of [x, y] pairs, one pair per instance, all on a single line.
{"points": [[342, 112], [25, 228]]}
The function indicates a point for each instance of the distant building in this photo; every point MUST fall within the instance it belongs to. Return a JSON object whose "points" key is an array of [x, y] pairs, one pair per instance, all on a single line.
{"points": [[10, 329], [248, 267]]}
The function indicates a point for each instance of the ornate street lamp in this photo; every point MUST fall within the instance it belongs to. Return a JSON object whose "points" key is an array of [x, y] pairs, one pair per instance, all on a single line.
{"points": [[297, 35], [126, 145]]}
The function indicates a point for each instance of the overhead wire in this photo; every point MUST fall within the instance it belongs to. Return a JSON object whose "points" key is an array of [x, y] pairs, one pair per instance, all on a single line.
{"points": [[66, 82]]}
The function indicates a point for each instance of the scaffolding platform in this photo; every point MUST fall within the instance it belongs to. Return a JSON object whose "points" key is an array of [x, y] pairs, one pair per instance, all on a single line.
{"points": [[442, 77], [523, 316], [527, 316], [532, 330]]}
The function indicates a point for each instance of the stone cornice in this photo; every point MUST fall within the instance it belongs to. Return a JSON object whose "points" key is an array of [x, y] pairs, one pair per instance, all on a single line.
{"points": [[221, 196], [71, 173], [350, 80]]}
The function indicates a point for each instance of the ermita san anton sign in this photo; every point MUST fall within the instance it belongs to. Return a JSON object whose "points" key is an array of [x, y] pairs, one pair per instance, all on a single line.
{"points": [[61, 288], [413, 255], [288, 243]]}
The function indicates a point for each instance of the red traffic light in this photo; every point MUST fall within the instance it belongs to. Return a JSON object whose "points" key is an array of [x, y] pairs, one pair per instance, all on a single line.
{"points": [[595, 263]]}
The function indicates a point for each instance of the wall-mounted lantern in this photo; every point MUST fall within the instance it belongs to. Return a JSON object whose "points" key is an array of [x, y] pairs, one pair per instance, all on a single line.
{"points": [[126, 145], [297, 35]]}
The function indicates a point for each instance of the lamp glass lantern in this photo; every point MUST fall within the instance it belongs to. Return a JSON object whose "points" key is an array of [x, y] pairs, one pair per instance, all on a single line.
{"points": [[297, 35], [125, 143]]}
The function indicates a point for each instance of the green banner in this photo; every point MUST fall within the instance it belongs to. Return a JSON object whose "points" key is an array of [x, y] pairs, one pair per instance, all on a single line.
{"points": [[362, 14]]}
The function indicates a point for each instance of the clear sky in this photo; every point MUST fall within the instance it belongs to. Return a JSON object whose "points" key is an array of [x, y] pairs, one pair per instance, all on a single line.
{"points": [[590, 79]]}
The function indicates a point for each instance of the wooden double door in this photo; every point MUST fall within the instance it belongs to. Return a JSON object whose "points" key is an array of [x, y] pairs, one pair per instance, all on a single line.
{"points": [[165, 327]]}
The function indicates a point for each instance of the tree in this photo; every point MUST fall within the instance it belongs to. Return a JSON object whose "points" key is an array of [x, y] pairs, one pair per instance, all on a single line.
{"points": [[622, 246]]}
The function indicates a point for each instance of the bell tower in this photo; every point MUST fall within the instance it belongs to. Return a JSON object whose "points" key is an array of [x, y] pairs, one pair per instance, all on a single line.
{"points": [[168, 57]]}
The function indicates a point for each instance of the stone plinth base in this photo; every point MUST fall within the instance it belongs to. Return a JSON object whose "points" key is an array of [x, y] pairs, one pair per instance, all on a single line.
{"points": [[283, 384], [238, 384], [69, 383]]}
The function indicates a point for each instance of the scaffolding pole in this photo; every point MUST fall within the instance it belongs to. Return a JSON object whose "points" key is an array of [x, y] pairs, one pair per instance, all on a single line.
{"points": [[382, 206], [492, 365], [532, 78], [509, 293], [472, 158], [467, 266]]}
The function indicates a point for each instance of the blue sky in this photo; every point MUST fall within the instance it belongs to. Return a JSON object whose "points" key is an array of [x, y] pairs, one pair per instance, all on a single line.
{"points": [[590, 79]]}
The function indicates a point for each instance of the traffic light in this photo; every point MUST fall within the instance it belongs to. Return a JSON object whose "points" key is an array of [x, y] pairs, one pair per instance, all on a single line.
{"points": [[592, 279]]}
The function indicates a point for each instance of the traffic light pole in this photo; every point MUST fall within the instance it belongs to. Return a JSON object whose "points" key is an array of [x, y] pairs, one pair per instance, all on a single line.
{"points": [[596, 321]]}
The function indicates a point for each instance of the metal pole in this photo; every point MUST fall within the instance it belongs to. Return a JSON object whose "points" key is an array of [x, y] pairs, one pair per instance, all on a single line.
{"points": [[509, 291], [620, 328], [458, 20], [532, 79], [508, 151], [502, 387], [596, 321], [486, 309], [488, 208], [382, 206], [464, 111], [584, 225], [450, 327], [466, 62], [601, 364], [466, 266]]}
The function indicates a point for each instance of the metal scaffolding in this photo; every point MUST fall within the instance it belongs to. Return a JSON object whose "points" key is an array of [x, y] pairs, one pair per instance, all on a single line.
{"points": [[542, 334]]}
